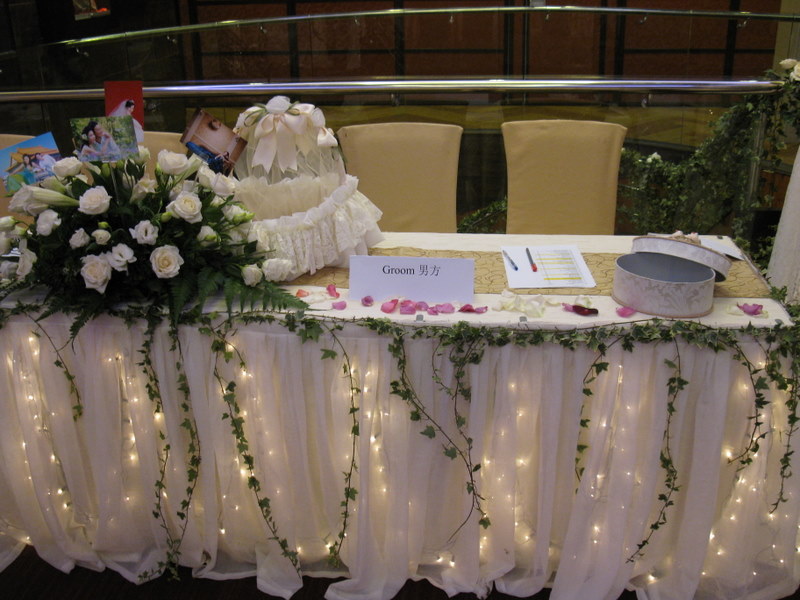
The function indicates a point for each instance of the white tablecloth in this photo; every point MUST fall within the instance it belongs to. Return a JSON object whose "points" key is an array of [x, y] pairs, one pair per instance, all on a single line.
{"points": [[82, 490]]}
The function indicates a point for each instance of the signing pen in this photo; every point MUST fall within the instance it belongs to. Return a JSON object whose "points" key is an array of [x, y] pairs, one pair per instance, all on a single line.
{"points": [[511, 262], [530, 260]]}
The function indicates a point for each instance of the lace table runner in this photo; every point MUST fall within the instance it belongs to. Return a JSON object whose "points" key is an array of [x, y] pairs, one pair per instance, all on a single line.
{"points": [[490, 274]]}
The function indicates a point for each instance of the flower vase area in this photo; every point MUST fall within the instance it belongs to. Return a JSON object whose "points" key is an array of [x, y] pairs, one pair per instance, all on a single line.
{"points": [[106, 235]]}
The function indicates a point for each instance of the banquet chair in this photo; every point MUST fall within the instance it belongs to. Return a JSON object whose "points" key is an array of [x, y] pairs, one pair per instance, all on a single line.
{"points": [[784, 262], [155, 141], [408, 170], [562, 176]]}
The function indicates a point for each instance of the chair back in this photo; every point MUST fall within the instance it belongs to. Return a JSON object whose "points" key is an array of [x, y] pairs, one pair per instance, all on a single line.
{"points": [[562, 176], [156, 141], [408, 170], [784, 262]]}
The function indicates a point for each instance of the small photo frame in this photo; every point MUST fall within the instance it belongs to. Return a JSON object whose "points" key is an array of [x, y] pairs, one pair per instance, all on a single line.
{"points": [[28, 162], [106, 139], [216, 143]]}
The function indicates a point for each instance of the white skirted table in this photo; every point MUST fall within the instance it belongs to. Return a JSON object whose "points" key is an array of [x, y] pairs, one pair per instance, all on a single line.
{"points": [[322, 423]]}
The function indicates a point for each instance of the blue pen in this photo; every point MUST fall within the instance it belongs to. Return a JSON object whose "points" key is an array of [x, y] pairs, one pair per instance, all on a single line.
{"points": [[511, 262]]}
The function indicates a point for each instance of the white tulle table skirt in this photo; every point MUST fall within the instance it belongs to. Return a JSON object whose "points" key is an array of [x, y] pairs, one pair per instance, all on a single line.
{"points": [[82, 491]]}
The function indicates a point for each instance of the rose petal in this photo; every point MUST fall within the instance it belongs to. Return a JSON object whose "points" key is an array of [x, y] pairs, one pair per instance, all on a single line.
{"points": [[408, 307], [332, 291], [367, 301], [340, 305], [481, 309], [433, 311], [446, 308], [466, 308], [301, 293], [625, 311], [751, 309], [388, 307], [584, 310], [422, 306], [567, 307]]}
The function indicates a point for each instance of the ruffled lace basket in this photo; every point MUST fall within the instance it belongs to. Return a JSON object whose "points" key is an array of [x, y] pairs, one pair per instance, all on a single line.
{"points": [[308, 213]]}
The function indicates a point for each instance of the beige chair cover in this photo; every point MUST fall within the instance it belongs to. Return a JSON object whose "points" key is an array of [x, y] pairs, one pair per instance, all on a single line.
{"points": [[156, 141], [784, 264], [562, 176], [408, 170]]}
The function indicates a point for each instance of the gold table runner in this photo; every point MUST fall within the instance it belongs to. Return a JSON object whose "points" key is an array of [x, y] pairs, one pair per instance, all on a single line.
{"points": [[490, 274]]}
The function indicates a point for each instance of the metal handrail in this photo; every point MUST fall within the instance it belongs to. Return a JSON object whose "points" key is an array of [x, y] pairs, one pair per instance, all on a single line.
{"points": [[402, 12], [414, 86]]}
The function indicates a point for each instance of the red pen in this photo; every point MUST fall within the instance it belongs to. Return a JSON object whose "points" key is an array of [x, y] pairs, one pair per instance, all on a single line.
{"points": [[534, 268]]}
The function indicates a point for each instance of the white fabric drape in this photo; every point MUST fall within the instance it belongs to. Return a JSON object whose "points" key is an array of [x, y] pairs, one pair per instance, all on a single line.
{"points": [[82, 491], [784, 263]]}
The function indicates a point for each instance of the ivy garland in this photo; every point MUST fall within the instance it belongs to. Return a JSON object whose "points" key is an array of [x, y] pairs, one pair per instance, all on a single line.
{"points": [[463, 345]]}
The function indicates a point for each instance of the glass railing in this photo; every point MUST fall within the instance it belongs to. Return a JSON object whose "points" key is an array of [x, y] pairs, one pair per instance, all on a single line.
{"points": [[664, 74]]}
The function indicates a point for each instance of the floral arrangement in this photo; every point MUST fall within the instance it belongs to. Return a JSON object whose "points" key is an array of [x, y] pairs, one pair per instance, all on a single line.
{"points": [[122, 237]]}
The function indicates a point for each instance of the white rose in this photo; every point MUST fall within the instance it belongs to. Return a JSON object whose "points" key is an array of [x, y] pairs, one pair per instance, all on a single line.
{"points": [[144, 186], [94, 201], [236, 214], [96, 272], [166, 261], [67, 167], [79, 239], [172, 163], [205, 176], [187, 206], [120, 256], [276, 269], [217, 201], [26, 260], [654, 156], [788, 63], [7, 223], [222, 185], [144, 233], [46, 221], [207, 236], [101, 236], [252, 275], [795, 74], [8, 269]]}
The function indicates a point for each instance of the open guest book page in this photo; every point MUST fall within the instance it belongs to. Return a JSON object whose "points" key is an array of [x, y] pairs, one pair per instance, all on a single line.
{"points": [[546, 267]]}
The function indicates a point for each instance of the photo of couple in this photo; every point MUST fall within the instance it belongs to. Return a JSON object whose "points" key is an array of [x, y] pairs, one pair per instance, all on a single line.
{"points": [[105, 139], [28, 162]]}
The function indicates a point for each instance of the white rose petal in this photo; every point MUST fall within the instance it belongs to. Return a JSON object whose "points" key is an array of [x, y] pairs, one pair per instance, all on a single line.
{"points": [[795, 74], [120, 256], [144, 233], [79, 239], [166, 261], [26, 260], [222, 185], [94, 201], [67, 167], [96, 272], [47, 221], [144, 186], [788, 63], [172, 163], [252, 275], [187, 206], [101, 236]]}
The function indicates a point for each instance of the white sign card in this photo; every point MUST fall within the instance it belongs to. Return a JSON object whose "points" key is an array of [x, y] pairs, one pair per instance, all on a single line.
{"points": [[432, 280], [546, 267]]}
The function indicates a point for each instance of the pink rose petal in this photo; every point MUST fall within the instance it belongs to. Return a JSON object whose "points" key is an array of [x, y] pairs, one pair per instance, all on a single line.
{"points": [[301, 293], [422, 306], [751, 309], [332, 291], [466, 308], [341, 305], [408, 307], [625, 311], [433, 311], [388, 307], [481, 309], [367, 301], [446, 308], [567, 307]]}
